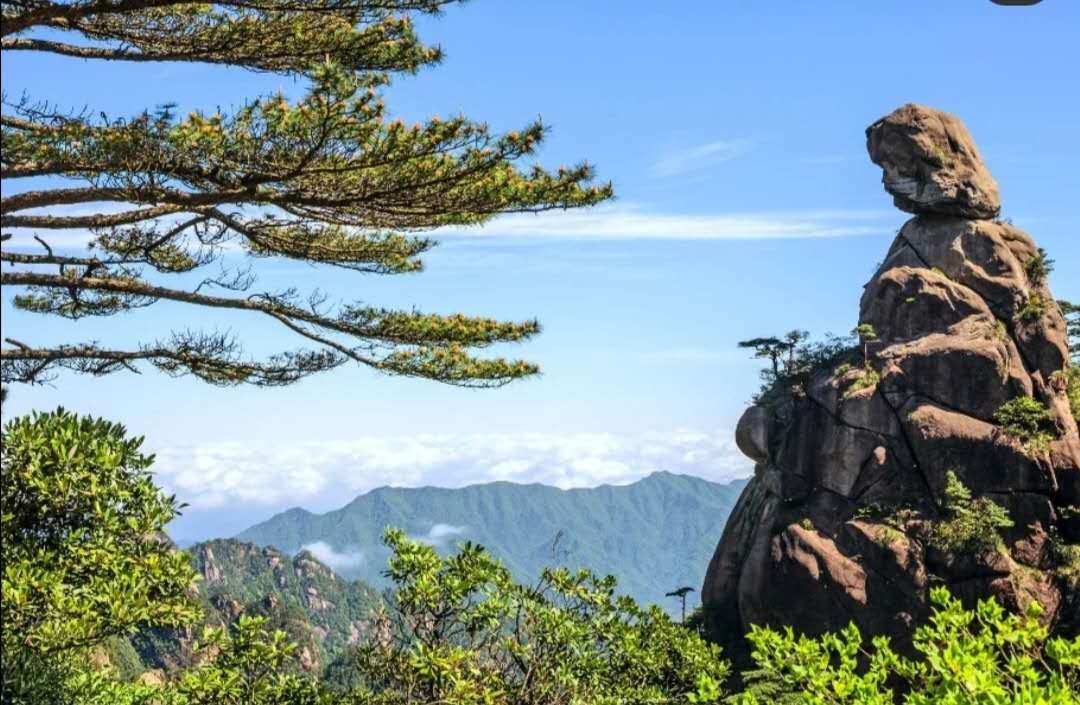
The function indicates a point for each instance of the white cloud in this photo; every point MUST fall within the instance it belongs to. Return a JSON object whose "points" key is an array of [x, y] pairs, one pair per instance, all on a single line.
{"points": [[328, 474], [701, 156], [335, 560], [631, 222], [622, 221], [440, 534]]}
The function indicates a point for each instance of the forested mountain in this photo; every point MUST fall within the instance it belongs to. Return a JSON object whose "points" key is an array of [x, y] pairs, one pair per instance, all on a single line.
{"points": [[320, 611], [654, 535]]}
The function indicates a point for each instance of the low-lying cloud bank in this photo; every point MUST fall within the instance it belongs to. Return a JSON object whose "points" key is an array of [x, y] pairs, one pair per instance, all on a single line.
{"points": [[329, 474], [440, 535], [338, 561]]}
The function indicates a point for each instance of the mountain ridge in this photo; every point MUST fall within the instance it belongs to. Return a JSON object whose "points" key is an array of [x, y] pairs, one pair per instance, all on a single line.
{"points": [[664, 522]]}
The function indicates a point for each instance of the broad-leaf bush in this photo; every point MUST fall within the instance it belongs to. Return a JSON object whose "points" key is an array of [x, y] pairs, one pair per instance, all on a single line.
{"points": [[982, 657], [246, 665], [461, 632], [84, 562], [83, 554]]}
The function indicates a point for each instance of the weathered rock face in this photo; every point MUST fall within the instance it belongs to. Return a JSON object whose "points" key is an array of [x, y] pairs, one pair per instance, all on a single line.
{"points": [[850, 476], [931, 164]]}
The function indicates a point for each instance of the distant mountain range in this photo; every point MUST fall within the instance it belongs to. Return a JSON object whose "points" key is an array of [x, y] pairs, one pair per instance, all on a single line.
{"points": [[654, 535], [317, 577]]}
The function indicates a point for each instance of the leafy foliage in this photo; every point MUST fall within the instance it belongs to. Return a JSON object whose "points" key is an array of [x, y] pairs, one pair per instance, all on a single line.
{"points": [[83, 554], [968, 525], [1034, 308], [795, 361], [316, 609], [462, 632], [865, 331], [1038, 267], [868, 379], [964, 658], [1028, 420], [247, 666], [459, 631], [456, 630], [1066, 556], [779, 351]]}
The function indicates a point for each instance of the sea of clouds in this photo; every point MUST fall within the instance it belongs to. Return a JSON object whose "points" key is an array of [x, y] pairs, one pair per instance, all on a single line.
{"points": [[325, 475]]}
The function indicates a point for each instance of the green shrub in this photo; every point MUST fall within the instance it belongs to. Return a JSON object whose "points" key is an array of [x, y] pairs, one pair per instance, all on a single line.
{"points": [[1038, 267], [83, 555], [962, 657], [865, 331], [968, 525], [791, 372], [245, 665], [461, 631], [889, 536], [868, 379], [1066, 556], [1033, 309], [1027, 420]]}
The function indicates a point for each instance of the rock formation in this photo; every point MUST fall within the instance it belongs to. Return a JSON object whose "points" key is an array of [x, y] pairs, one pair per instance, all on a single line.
{"points": [[838, 524]]}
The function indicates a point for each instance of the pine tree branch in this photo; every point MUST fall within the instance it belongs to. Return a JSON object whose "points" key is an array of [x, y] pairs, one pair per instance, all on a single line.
{"points": [[212, 358], [97, 220], [368, 325], [325, 179]]}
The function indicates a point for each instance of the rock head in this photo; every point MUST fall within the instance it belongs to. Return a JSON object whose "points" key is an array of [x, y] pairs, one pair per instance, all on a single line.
{"points": [[854, 464], [931, 165]]}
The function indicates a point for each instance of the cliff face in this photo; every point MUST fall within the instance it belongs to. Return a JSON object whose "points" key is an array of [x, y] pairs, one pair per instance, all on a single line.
{"points": [[961, 376], [321, 612]]}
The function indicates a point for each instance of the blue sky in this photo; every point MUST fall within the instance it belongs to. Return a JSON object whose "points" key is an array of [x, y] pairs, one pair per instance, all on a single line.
{"points": [[733, 133]]}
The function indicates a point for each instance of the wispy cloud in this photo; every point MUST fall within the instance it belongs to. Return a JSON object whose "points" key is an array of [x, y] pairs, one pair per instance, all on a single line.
{"points": [[216, 475], [628, 222], [333, 559], [701, 156], [440, 534], [623, 221]]}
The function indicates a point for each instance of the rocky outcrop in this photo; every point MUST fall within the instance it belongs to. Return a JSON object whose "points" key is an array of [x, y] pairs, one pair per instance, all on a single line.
{"points": [[317, 610], [839, 523], [931, 165]]}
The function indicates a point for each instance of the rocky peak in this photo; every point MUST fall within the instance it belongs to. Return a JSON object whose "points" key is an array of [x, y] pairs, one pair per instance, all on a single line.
{"points": [[855, 471], [931, 165]]}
